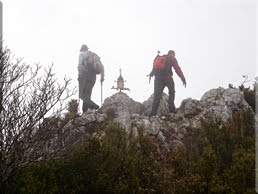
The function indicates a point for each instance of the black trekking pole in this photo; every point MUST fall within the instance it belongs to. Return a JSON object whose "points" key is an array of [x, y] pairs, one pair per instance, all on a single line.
{"points": [[101, 93]]}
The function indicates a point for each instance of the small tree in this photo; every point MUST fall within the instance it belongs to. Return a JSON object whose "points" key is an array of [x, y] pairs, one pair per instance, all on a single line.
{"points": [[249, 95], [73, 110], [27, 95]]}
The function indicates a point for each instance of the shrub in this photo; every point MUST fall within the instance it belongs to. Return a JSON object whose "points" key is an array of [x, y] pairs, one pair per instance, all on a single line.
{"points": [[223, 162]]}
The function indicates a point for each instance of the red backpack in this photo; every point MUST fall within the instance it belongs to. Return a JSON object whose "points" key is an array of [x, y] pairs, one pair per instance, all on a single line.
{"points": [[160, 62], [160, 65]]}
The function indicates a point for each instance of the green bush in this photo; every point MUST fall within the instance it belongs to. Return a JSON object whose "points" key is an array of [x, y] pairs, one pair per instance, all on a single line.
{"points": [[225, 158], [249, 95], [222, 162]]}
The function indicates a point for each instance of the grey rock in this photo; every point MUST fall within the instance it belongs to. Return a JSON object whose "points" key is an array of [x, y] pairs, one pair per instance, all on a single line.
{"points": [[213, 95], [120, 107], [121, 101], [190, 108], [89, 116], [124, 118], [234, 99], [171, 128]]}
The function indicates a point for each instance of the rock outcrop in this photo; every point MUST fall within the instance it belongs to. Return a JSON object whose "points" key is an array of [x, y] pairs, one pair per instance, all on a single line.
{"points": [[165, 126], [163, 106], [120, 107]]}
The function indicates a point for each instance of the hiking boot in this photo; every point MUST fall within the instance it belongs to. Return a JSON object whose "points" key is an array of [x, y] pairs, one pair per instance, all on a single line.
{"points": [[100, 110], [96, 107]]}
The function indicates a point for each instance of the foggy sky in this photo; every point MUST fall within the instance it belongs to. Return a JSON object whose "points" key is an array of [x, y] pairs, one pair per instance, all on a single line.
{"points": [[215, 40]]}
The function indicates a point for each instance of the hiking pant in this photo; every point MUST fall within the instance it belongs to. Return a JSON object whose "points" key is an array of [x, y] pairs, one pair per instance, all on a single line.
{"points": [[159, 86], [85, 91]]}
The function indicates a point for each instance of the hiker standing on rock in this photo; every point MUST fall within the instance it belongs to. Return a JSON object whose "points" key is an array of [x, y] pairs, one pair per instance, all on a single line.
{"points": [[88, 67], [162, 70]]}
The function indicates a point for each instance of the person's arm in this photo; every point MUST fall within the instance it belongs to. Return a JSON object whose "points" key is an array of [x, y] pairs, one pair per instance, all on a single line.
{"points": [[80, 59], [178, 70], [80, 63], [153, 70], [151, 74]]}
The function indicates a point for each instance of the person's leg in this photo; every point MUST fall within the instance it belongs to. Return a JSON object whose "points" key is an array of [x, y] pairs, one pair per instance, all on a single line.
{"points": [[92, 105], [80, 88], [87, 102], [82, 92], [171, 92], [86, 94], [84, 106], [158, 90], [88, 89], [83, 84]]}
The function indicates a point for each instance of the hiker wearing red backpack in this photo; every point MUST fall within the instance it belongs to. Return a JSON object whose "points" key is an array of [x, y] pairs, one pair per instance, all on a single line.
{"points": [[162, 70], [88, 67]]}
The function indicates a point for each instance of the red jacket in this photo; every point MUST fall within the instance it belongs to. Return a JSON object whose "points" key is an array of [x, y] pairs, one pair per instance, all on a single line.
{"points": [[172, 63]]}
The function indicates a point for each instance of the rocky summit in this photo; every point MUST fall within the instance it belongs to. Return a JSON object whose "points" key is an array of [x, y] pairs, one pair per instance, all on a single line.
{"points": [[165, 126]]}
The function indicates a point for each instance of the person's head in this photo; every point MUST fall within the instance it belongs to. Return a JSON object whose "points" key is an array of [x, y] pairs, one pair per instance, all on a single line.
{"points": [[84, 48], [171, 52]]}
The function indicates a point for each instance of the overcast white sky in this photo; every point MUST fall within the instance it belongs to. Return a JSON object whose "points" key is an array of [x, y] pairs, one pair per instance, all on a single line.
{"points": [[215, 40]]}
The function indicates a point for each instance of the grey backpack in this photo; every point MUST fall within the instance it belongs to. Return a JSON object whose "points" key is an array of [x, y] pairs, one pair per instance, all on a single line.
{"points": [[93, 60]]}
